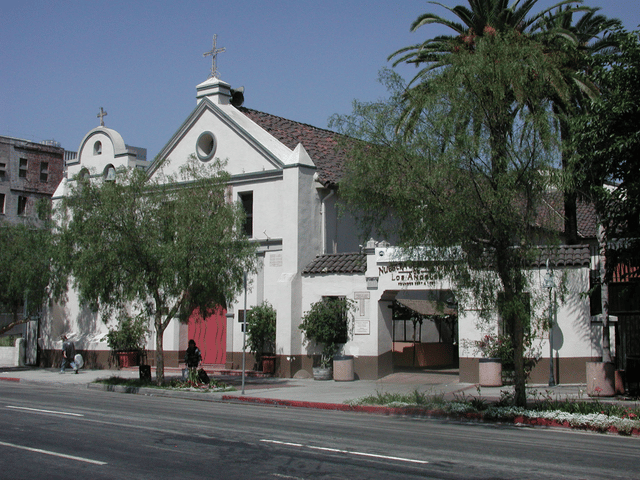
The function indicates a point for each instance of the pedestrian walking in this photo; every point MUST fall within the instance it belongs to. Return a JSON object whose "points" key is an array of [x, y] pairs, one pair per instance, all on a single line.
{"points": [[68, 355]]}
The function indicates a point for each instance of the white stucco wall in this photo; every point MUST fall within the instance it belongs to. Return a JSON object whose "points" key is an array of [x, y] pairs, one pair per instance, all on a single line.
{"points": [[572, 335], [354, 287]]}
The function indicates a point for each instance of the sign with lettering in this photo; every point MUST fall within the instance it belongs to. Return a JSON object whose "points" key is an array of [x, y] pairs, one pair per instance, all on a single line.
{"points": [[405, 276], [361, 327]]}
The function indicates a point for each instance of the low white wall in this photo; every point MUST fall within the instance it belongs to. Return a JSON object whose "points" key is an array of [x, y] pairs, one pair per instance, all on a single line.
{"points": [[13, 356]]}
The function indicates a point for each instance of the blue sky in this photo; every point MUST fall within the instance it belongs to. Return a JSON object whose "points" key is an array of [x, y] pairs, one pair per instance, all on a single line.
{"points": [[141, 60]]}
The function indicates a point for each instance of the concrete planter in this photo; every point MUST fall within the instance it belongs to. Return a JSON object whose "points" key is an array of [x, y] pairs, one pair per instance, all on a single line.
{"points": [[322, 373], [600, 379], [269, 364], [127, 359], [343, 368], [490, 372]]}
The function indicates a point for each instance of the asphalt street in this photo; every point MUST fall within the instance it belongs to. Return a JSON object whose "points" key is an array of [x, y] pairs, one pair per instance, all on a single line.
{"points": [[71, 432]]}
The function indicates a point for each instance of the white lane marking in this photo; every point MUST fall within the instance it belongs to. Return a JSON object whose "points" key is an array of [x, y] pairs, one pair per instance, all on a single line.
{"points": [[348, 452], [55, 454], [45, 411]]}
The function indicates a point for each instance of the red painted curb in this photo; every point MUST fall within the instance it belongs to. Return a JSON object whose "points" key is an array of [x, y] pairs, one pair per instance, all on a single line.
{"points": [[416, 411], [9, 379]]}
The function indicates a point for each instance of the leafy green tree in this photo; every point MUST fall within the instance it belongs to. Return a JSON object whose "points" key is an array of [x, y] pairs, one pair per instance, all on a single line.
{"points": [[607, 142], [167, 245], [464, 181], [607, 139], [26, 270]]}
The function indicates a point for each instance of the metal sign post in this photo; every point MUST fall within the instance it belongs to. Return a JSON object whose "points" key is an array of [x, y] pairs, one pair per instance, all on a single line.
{"points": [[244, 331]]}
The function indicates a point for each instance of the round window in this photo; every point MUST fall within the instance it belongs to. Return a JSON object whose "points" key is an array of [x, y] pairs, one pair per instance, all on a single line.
{"points": [[206, 146]]}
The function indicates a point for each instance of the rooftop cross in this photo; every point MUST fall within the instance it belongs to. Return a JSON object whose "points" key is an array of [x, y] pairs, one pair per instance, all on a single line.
{"points": [[101, 116], [214, 53]]}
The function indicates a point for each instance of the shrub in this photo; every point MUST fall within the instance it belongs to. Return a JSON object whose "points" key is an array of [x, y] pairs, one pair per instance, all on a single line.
{"points": [[129, 335], [328, 323], [261, 330]]}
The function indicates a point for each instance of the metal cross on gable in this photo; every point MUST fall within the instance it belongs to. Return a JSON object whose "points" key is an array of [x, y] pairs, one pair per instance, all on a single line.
{"points": [[101, 116], [214, 53]]}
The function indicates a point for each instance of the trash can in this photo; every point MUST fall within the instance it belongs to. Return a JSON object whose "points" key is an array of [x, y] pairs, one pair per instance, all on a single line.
{"points": [[145, 372], [343, 368]]}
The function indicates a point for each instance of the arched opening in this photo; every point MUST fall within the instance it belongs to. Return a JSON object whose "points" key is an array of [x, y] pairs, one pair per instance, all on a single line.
{"points": [[424, 328]]}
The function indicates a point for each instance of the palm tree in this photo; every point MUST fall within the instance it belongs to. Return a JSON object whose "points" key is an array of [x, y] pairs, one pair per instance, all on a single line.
{"points": [[484, 17], [468, 61], [590, 33]]}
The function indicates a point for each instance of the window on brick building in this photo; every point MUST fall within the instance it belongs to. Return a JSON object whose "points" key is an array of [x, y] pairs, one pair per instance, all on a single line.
{"points": [[22, 205], [44, 172], [3, 170], [22, 172], [1, 203]]}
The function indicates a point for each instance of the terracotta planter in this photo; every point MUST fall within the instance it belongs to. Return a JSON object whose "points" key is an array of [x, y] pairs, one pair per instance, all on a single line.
{"points": [[343, 368], [269, 364], [600, 379], [490, 372], [127, 359]]}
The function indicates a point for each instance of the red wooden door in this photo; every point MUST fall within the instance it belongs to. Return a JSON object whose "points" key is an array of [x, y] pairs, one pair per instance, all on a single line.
{"points": [[210, 335]]}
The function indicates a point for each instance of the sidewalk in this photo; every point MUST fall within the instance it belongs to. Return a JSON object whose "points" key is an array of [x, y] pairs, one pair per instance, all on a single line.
{"points": [[271, 390]]}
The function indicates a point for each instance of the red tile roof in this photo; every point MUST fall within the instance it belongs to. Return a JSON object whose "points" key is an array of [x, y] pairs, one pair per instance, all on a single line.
{"points": [[322, 147], [338, 263], [551, 214], [320, 144], [356, 263], [563, 256]]}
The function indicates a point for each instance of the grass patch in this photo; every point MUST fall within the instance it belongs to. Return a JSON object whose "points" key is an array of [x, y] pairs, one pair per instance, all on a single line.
{"points": [[541, 403], [415, 398], [546, 402], [173, 384]]}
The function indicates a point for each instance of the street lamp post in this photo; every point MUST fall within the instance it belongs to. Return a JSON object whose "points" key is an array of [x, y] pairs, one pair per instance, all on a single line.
{"points": [[548, 283]]}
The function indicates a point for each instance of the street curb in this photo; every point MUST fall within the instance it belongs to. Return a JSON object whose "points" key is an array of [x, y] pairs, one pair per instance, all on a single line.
{"points": [[154, 392], [520, 421], [10, 379]]}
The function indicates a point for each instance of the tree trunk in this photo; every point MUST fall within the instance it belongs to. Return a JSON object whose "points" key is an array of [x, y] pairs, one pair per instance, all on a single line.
{"points": [[159, 349], [512, 313], [570, 198], [604, 294], [520, 380]]}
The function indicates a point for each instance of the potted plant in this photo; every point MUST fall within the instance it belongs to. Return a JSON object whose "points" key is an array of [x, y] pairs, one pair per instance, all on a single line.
{"points": [[128, 339], [327, 323], [494, 349], [261, 335]]}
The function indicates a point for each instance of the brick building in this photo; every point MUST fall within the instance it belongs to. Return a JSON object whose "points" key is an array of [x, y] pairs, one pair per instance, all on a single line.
{"points": [[29, 172]]}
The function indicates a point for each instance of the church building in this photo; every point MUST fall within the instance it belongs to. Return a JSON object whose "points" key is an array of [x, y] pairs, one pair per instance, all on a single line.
{"points": [[286, 175]]}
